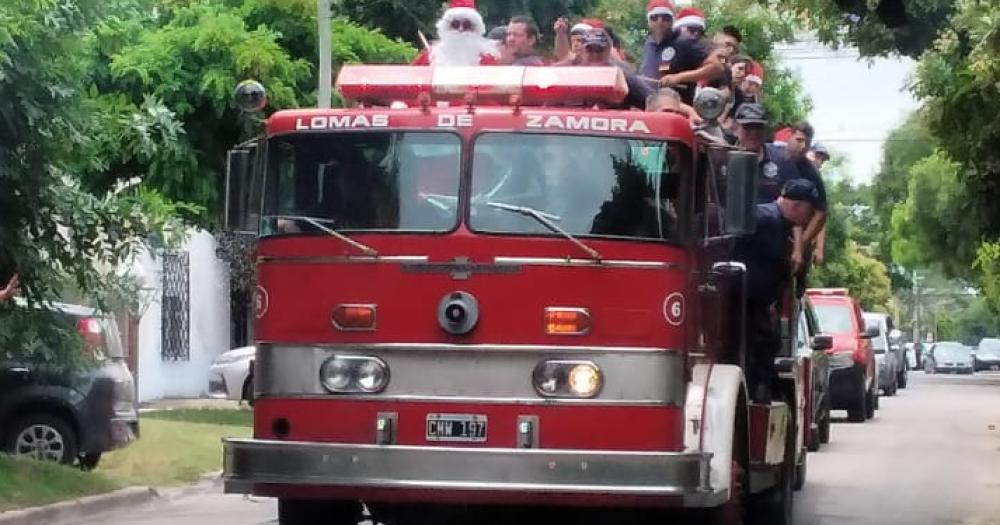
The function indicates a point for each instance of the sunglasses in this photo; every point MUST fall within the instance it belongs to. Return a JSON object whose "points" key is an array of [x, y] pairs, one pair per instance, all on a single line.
{"points": [[463, 24], [660, 18]]}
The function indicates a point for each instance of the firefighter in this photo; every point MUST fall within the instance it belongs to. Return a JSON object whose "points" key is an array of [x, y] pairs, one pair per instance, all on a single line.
{"points": [[766, 256]]}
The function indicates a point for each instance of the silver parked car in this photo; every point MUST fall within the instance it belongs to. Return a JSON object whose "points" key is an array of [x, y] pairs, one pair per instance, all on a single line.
{"points": [[949, 357], [888, 353]]}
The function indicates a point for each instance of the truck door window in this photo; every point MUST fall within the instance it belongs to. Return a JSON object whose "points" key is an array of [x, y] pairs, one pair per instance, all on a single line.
{"points": [[593, 186], [362, 182]]}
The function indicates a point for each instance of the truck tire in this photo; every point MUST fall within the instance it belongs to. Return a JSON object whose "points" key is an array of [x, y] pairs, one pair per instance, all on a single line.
{"points": [[316, 512], [856, 411], [42, 436], [736, 510], [824, 428], [775, 506], [800, 472]]}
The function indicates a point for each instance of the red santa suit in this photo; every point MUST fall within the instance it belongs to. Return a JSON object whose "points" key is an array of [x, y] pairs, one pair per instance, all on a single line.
{"points": [[461, 39]]}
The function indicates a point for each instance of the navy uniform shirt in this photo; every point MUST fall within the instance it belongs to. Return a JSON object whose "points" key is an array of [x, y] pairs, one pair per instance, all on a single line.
{"points": [[765, 255], [776, 169], [674, 54]]}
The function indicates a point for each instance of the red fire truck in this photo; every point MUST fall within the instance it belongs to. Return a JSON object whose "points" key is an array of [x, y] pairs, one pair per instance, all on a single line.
{"points": [[488, 286]]}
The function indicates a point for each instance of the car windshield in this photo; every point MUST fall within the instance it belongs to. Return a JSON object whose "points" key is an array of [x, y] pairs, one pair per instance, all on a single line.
{"points": [[952, 352], [381, 181], [588, 186], [834, 318], [989, 347]]}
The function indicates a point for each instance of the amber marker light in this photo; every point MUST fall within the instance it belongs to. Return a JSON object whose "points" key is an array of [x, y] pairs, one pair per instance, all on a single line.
{"points": [[354, 317], [567, 321]]}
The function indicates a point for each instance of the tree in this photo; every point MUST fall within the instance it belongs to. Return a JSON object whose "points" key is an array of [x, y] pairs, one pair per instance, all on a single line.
{"points": [[876, 28], [51, 231]]}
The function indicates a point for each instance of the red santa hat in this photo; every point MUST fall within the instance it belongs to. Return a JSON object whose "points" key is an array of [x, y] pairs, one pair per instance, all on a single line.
{"points": [[782, 135], [586, 25], [756, 73], [659, 7], [690, 17], [458, 9]]}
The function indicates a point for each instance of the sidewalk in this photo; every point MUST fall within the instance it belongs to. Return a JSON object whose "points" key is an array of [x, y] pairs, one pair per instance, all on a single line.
{"points": [[193, 403]]}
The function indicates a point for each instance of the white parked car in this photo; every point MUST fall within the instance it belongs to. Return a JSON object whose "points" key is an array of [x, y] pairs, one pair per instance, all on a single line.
{"points": [[231, 375]]}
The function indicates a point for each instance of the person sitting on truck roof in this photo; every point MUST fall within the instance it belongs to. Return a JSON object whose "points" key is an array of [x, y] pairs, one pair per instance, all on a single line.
{"points": [[522, 36], [597, 51], [765, 254]]}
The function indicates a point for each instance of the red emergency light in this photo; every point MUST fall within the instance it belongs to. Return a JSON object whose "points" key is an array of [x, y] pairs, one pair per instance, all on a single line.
{"points": [[383, 85]]}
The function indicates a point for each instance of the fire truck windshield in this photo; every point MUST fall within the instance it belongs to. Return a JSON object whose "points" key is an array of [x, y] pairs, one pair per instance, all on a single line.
{"points": [[381, 181], [588, 186]]}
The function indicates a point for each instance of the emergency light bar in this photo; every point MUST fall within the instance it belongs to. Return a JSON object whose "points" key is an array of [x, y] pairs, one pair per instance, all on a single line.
{"points": [[842, 292], [383, 85]]}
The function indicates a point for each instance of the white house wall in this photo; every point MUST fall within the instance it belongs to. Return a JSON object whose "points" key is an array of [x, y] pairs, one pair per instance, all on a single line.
{"points": [[208, 323]]}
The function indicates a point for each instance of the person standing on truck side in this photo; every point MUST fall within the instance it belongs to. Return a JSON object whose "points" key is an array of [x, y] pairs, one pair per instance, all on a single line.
{"points": [[522, 36], [12, 288], [798, 166], [765, 254]]}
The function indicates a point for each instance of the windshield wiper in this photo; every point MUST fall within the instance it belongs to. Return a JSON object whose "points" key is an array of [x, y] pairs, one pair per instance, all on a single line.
{"points": [[367, 250], [546, 220]]}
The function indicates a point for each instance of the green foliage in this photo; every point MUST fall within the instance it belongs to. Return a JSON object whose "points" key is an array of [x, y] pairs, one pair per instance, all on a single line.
{"points": [[939, 222], [867, 30], [866, 278]]}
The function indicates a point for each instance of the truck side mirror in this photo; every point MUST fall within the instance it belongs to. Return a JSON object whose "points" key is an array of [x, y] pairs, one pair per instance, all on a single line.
{"points": [[239, 171], [741, 193], [822, 342]]}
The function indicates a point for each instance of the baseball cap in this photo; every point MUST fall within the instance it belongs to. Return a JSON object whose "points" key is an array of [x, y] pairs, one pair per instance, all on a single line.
{"points": [[751, 113], [498, 33], [801, 190], [597, 38], [820, 149]]}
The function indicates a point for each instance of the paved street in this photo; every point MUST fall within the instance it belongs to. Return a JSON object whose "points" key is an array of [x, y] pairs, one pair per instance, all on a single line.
{"points": [[931, 457]]}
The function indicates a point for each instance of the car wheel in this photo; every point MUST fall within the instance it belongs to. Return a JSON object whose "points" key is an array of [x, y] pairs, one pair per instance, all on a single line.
{"points": [[247, 392], [824, 429], [902, 379], [871, 403], [307, 512], [800, 472], [89, 461], [42, 436], [812, 444], [856, 412]]}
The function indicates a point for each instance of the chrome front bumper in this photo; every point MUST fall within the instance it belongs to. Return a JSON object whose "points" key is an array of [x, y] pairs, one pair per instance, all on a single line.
{"points": [[680, 475]]}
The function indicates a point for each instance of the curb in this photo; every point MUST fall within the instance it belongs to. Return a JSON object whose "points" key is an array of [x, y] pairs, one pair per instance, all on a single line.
{"points": [[78, 508]]}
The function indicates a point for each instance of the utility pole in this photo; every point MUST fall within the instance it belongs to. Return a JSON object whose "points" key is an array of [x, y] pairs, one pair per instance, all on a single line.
{"points": [[916, 308], [325, 54]]}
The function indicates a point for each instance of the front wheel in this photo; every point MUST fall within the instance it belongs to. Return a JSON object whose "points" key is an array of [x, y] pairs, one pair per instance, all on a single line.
{"points": [[824, 428], [42, 436], [856, 412], [775, 505], [871, 403], [318, 512]]}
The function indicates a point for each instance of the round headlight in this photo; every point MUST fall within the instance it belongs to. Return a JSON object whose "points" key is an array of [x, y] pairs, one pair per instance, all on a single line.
{"points": [[584, 380], [710, 103], [372, 376], [335, 374]]}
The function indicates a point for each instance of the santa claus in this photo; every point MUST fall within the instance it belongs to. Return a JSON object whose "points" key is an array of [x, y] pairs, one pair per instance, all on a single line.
{"points": [[461, 39]]}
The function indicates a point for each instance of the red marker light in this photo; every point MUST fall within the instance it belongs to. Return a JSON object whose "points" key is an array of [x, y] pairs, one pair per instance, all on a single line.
{"points": [[354, 317]]}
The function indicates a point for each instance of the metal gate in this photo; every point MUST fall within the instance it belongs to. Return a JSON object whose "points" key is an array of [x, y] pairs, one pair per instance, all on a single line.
{"points": [[175, 307]]}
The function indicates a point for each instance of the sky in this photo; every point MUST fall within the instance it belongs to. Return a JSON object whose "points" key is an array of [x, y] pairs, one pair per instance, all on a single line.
{"points": [[855, 105]]}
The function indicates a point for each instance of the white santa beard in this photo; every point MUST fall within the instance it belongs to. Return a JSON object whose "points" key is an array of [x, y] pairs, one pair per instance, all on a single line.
{"points": [[457, 48]]}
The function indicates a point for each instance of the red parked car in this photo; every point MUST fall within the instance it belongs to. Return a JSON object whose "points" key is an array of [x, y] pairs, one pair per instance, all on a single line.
{"points": [[853, 373]]}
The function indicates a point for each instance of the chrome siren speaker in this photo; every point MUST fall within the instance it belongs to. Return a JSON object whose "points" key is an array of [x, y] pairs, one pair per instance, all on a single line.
{"points": [[458, 313]]}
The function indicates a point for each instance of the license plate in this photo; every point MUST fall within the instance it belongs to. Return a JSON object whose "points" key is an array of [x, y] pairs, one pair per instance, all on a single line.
{"points": [[467, 428]]}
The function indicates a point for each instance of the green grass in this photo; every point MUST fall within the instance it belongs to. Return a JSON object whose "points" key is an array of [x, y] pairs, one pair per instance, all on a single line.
{"points": [[27, 483], [176, 447], [170, 452], [203, 415]]}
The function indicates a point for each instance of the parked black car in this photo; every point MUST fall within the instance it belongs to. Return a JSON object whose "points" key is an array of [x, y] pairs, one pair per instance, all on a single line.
{"points": [[988, 354], [74, 418]]}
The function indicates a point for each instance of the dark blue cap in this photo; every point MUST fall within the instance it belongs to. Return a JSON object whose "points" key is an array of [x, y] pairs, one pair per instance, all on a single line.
{"points": [[801, 190]]}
